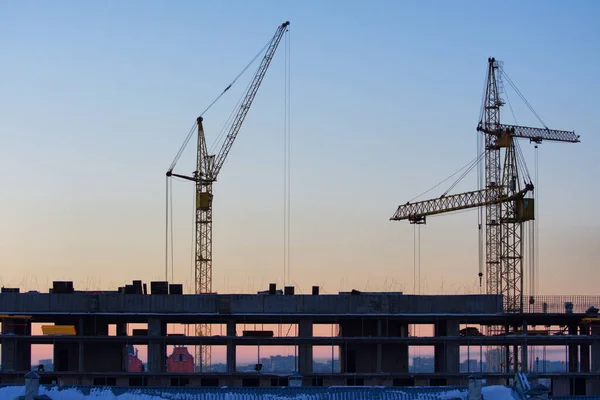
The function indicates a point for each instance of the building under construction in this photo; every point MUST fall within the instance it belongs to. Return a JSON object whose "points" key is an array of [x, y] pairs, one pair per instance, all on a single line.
{"points": [[374, 332], [374, 336]]}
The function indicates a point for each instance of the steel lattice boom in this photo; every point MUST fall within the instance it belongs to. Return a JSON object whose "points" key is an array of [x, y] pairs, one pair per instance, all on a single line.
{"points": [[536, 135], [207, 170], [418, 211]]}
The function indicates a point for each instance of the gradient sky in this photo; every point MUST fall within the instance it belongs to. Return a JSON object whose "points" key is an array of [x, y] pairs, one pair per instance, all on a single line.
{"points": [[96, 98]]}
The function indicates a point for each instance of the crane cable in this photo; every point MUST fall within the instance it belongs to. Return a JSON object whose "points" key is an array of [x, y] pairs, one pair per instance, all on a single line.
{"points": [[480, 185], [169, 227], [168, 189], [522, 166], [522, 97], [227, 126], [287, 163], [536, 223], [166, 227], [417, 274], [189, 136], [415, 259], [473, 164], [469, 165]]}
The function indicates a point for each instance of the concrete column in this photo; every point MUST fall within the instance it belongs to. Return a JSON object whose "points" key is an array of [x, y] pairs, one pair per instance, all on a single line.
{"points": [[394, 355], [305, 351], [584, 350], [122, 331], [66, 357], [80, 358], [379, 347], [506, 354], [524, 350], [596, 349], [439, 353], [231, 332], [573, 351], [16, 355], [593, 386], [83, 329], [453, 349], [447, 355], [157, 351], [101, 327]]}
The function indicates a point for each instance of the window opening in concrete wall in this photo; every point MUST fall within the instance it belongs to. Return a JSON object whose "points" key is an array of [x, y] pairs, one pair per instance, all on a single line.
{"points": [[421, 359], [326, 359], [266, 359], [471, 359], [42, 357]]}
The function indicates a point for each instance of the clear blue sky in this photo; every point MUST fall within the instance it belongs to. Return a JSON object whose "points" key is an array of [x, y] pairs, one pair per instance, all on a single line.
{"points": [[97, 96]]}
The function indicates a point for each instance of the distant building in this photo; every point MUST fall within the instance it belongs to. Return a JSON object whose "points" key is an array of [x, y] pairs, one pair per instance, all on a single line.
{"points": [[469, 366], [423, 364], [281, 363], [218, 367], [134, 364], [180, 360], [495, 360], [266, 364], [326, 366], [47, 363]]}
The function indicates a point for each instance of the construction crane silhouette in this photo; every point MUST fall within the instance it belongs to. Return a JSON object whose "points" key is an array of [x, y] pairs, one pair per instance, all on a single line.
{"points": [[504, 197], [207, 170]]}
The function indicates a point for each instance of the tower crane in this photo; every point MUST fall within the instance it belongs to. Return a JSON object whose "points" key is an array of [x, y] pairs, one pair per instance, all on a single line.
{"points": [[506, 205], [207, 170]]}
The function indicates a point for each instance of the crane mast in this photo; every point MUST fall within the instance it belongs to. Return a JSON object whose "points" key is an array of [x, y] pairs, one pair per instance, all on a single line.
{"points": [[493, 230], [505, 204], [506, 207], [207, 169], [504, 220]]}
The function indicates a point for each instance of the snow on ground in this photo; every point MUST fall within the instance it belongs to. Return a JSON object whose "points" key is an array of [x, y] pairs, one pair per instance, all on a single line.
{"points": [[489, 393], [497, 393], [12, 392], [453, 394]]}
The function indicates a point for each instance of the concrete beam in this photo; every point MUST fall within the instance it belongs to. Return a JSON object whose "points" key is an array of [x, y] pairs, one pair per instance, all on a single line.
{"points": [[246, 304]]}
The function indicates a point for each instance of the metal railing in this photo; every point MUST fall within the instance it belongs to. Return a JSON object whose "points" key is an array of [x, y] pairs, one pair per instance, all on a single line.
{"points": [[557, 304]]}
